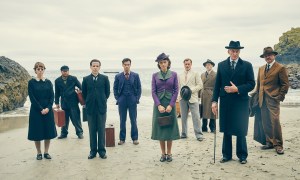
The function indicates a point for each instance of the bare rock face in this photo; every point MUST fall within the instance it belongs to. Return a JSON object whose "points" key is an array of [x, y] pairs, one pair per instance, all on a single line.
{"points": [[13, 84], [294, 75]]}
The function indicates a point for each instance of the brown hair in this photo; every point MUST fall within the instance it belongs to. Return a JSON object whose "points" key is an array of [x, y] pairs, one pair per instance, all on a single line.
{"points": [[39, 65], [188, 59], [95, 60]]}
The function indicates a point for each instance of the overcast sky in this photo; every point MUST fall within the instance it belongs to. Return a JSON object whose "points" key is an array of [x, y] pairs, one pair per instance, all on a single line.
{"points": [[63, 31]]}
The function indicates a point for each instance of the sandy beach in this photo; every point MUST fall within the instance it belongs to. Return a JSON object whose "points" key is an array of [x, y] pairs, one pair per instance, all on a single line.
{"points": [[192, 159]]}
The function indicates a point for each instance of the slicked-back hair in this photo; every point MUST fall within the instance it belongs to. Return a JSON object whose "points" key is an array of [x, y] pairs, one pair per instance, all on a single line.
{"points": [[95, 60], [125, 60], [187, 59]]}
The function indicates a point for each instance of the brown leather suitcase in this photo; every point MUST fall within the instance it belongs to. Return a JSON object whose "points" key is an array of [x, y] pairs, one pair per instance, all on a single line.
{"points": [[110, 135], [59, 117], [80, 97]]}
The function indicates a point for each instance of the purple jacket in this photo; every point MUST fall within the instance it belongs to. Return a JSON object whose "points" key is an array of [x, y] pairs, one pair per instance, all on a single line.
{"points": [[165, 87]]}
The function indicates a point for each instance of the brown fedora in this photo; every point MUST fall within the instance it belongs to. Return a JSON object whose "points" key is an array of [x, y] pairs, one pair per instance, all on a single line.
{"points": [[267, 51], [209, 61]]}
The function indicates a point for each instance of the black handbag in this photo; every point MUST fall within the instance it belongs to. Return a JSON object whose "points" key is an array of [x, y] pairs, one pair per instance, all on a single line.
{"points": [[165, 121]]}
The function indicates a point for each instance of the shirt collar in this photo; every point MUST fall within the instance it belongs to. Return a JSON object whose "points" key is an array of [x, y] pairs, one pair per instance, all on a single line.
{"points": [[37, 79], [271, 64], [236, 61], [125, 73]]}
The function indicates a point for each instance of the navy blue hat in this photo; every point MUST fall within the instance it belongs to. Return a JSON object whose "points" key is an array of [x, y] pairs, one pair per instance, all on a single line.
{"points": [[186, 93], [161, 57], [64, 68], [234, 45]]}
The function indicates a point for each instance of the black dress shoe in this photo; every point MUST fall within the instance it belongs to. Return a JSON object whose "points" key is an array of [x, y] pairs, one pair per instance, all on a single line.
{"points": [[39, 157], [243, 161], [267, 146], [163, 158], [80, 136], [224, 160], [62, 137], [91, 156], [47, 156], [103, 156]]}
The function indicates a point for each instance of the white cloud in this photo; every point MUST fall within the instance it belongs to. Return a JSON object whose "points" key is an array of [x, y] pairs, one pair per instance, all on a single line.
{"points": [[77, 30]]}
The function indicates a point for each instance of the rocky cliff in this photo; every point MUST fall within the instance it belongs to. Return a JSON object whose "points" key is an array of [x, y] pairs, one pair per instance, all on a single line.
{"points": [[13, 84], [294, 75], [288, 47]]}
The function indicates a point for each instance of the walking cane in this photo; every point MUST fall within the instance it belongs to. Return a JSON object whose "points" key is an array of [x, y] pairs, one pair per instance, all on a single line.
{"points": [[215, 139]]}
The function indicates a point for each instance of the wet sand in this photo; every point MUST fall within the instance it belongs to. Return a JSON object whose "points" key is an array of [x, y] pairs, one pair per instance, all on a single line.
{"points": [[192, 159]]}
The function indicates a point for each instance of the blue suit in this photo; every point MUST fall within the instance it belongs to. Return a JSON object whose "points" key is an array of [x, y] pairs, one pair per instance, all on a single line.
{"points": [[127, 92]]}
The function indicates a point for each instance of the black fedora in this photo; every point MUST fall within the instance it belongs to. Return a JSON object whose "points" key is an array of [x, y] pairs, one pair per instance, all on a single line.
{"points": [[234, 45], [186, 93], [64, 68], [267, 51], [161, 57], [208, 61]]}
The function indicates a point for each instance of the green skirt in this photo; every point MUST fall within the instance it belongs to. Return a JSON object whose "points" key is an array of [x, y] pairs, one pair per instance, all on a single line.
{"points": [[165, 133]]}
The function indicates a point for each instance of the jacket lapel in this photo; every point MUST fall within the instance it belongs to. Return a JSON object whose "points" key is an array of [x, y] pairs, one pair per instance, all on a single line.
{"points": [[227, 68], [238, 67], [271, 69]]}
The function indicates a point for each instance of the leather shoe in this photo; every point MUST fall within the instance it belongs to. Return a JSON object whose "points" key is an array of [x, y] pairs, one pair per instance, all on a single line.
{"points": [[62, 137], [136, 142], [47, 156], [279, 150], [91, 156], [243, 161], [80, 136], [200, 138], [224, 160], [267, 146], [183, 136], [39, 157], [121, 142], [103, 156]]}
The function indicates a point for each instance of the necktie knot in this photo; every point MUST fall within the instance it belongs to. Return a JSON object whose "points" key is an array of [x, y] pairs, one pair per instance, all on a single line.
{"points": [[268, 67], [232, 65], [206, 74], [127, 76], [95, 78]]}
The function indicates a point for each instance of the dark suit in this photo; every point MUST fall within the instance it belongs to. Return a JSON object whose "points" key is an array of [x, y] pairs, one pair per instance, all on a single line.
{"points": [[234, 112], [96, 92], [127, 92], [69, 102], [272, 88]]}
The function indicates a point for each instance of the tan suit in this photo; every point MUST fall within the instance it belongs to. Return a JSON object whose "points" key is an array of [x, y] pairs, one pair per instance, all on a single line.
{"points": [[193, 81], [206, 94], [272, 87]]}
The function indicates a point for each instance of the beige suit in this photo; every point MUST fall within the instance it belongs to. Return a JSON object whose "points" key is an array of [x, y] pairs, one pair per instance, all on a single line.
{"points": [[193, 81], [272, 87]]}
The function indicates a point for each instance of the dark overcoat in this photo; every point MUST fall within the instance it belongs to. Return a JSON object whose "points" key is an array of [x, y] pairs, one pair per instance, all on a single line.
{"points": [[233, 107], [41, 95]]}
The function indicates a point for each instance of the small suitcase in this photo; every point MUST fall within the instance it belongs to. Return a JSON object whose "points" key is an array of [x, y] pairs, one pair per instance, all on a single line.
{"points": [[110, 135], [59, 117]]}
